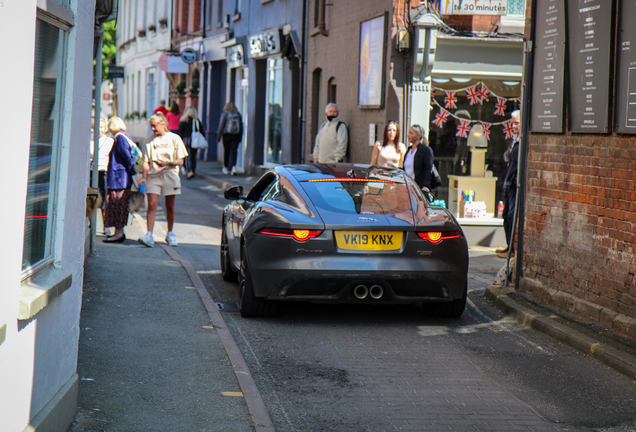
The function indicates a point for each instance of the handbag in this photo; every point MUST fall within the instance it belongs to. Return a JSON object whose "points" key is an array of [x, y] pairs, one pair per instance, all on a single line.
{"points": [[436, 180], [197, 140]]}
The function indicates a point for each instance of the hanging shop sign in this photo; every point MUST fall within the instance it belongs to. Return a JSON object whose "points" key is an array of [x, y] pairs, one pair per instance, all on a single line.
{"points": [[474, 7], [172, 64], [626, 66], [235, 56], [189, 55], [589, 60], [548, 67], [264, 44]]}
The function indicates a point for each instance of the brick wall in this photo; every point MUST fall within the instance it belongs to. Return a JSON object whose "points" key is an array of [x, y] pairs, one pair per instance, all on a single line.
{"points": [[580, 225]]}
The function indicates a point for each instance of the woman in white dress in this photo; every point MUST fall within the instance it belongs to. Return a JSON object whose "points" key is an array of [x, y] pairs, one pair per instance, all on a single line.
{"points": [[390, 152]]}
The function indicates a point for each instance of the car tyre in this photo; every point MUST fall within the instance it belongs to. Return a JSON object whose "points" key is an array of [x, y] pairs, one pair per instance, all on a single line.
{"points": [[249, 304], [453, 309], [227, 273]]}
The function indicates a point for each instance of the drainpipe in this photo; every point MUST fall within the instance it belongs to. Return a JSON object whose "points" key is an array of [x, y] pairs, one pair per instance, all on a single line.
{"points": [[303, 77], [96, 128]]}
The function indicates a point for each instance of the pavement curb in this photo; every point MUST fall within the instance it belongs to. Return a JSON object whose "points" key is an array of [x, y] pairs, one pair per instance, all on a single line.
{"points": [[253, 399], [252, 396], [589, 346]]}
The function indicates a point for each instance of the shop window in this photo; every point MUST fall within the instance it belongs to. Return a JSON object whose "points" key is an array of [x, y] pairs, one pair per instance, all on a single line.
{"points": [[45, 144], [274, 114], [460, 104]]}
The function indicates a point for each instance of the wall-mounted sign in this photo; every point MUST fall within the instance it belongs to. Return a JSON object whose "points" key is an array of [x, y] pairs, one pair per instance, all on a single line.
{"points": [[371, 63], [589, 37], [172, 64], [115, 72], [474, 7], [548, 67], [626, 67], [235, 57], [264, 44], [189, 55]]}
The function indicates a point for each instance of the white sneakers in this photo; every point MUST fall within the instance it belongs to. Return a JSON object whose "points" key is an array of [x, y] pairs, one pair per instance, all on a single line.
{"points": [[147, 240], [171, 239], [233, 170], [226, 171]]}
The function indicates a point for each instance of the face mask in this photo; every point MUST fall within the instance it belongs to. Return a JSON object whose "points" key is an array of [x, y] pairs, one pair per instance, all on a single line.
{"points": [[331, 117]]}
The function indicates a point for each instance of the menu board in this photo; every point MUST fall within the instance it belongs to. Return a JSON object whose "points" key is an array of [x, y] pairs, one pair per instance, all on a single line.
{"points": [[589, 24], [626, 69], [548, 68]]}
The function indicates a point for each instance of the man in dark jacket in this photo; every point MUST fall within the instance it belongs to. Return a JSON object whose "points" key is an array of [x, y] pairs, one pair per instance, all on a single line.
{"points": [[510, 186]]}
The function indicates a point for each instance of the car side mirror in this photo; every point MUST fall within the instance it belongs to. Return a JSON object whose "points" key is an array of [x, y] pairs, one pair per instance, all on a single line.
{"points": [[234, 193]]}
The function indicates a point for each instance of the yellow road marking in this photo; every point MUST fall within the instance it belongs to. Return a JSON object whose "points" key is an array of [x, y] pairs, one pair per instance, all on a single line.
{"points": [[208, 327], [594, 346], [237, 394]]}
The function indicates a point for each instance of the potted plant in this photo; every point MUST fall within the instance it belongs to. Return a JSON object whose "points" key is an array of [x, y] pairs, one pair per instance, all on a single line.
{"points": [[181, 87]]}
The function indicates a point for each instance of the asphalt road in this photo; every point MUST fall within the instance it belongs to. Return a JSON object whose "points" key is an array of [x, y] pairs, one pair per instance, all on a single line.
{"points": [[384, 368]]}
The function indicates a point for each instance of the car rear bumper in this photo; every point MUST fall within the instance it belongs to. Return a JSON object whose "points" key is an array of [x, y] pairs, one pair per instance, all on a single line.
{"points": [[340, 287]]}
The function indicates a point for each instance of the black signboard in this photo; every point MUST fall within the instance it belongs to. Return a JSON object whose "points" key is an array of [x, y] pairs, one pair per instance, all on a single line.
{"points": [[548, 68], [115, 72], [589, 32], [626, 65]]}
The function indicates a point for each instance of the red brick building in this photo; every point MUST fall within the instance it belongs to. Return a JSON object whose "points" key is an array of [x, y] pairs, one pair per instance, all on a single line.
{"points": [[579, 241]]}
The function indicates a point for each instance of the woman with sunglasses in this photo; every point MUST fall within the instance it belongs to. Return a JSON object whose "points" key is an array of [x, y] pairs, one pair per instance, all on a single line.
{"points": [[418, 160], [390, 152]]}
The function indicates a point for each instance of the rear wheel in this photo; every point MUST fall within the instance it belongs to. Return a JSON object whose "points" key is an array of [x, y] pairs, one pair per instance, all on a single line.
{"points": [[453, 309], [227, 273], [250, 305]]}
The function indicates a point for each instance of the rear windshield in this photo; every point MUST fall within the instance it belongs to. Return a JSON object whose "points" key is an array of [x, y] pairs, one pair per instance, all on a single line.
{"points": [[362, 196]]}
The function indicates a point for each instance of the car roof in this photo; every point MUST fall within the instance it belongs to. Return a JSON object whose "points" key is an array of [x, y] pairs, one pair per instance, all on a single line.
{"points": [[304, 172]]}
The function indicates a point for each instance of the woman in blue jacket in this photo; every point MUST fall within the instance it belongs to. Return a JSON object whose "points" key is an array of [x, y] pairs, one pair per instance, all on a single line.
{"points": [[118, 181], [418, 160]]}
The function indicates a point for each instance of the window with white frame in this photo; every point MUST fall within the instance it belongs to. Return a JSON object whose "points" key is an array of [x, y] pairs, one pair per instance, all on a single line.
{"points": [[516, 13], [48, 84], [274, 111]]}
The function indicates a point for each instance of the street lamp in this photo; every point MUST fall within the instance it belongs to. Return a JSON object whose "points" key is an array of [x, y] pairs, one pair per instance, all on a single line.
{"points": [[425, 29]]}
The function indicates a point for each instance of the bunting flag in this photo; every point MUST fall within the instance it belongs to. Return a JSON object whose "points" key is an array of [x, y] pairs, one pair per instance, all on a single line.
{"points": [[483, 93], [450, 100], [486, 127], [463, 128], [441, 117], [500, 106], [473, 95], [507, 128]]}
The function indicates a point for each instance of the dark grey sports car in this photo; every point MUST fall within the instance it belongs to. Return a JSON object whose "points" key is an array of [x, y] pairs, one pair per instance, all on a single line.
{"points": [[342, 233]]}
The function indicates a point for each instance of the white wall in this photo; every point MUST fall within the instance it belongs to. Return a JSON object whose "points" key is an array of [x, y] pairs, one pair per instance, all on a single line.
{"points": [[38, 358]]}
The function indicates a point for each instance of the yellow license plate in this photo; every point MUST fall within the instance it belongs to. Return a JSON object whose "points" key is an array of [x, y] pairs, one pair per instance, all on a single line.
{"points": [[369, 240]]}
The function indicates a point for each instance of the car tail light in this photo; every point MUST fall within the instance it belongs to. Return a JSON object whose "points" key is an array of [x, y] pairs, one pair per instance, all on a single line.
{"points": [[300, 235], [438, 236]]}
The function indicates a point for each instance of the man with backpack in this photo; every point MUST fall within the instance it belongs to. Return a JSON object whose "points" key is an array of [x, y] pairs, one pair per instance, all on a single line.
{"points": [[332, 138], [231, 132]]}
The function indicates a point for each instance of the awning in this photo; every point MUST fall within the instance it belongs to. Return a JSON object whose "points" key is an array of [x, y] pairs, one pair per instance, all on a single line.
{"points": [[478, 58]]}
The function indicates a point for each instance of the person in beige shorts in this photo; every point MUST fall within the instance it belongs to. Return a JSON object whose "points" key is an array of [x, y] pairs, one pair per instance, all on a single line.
{"points": [[163, 152]]}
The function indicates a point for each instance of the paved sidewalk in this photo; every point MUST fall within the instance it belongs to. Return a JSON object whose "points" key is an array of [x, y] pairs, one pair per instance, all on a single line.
{"points": [[154, 351]]}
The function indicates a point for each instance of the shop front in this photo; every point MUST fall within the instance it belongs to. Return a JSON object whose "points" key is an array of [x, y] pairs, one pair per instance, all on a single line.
{"points": [[238, 90], [475, 86]]}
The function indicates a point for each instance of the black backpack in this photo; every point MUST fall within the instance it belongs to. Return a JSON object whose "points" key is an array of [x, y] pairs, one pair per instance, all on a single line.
{"points": [[233, 123]]}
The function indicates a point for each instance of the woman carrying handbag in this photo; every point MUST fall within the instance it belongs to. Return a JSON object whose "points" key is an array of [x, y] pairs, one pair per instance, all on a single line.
{"points": [[190, 131]]}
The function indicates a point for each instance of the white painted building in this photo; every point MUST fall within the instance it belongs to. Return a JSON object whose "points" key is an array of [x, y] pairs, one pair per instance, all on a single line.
{"points": [[46, 116], [143, 35]]}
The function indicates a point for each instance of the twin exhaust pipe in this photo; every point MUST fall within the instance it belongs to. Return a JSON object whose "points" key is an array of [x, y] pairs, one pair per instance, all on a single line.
{"points": [[375, 292]]}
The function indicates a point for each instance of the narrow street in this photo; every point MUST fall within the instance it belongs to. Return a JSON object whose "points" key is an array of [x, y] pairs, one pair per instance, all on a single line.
{"points": [[338, 368]]}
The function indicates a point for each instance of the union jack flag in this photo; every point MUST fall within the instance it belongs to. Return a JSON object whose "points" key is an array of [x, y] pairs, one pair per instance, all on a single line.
{"points": [[486, 127], [441, 117], [483, 93], [507, 128], [450, 101], [500, 106], [463, 128], [473, 95]]}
